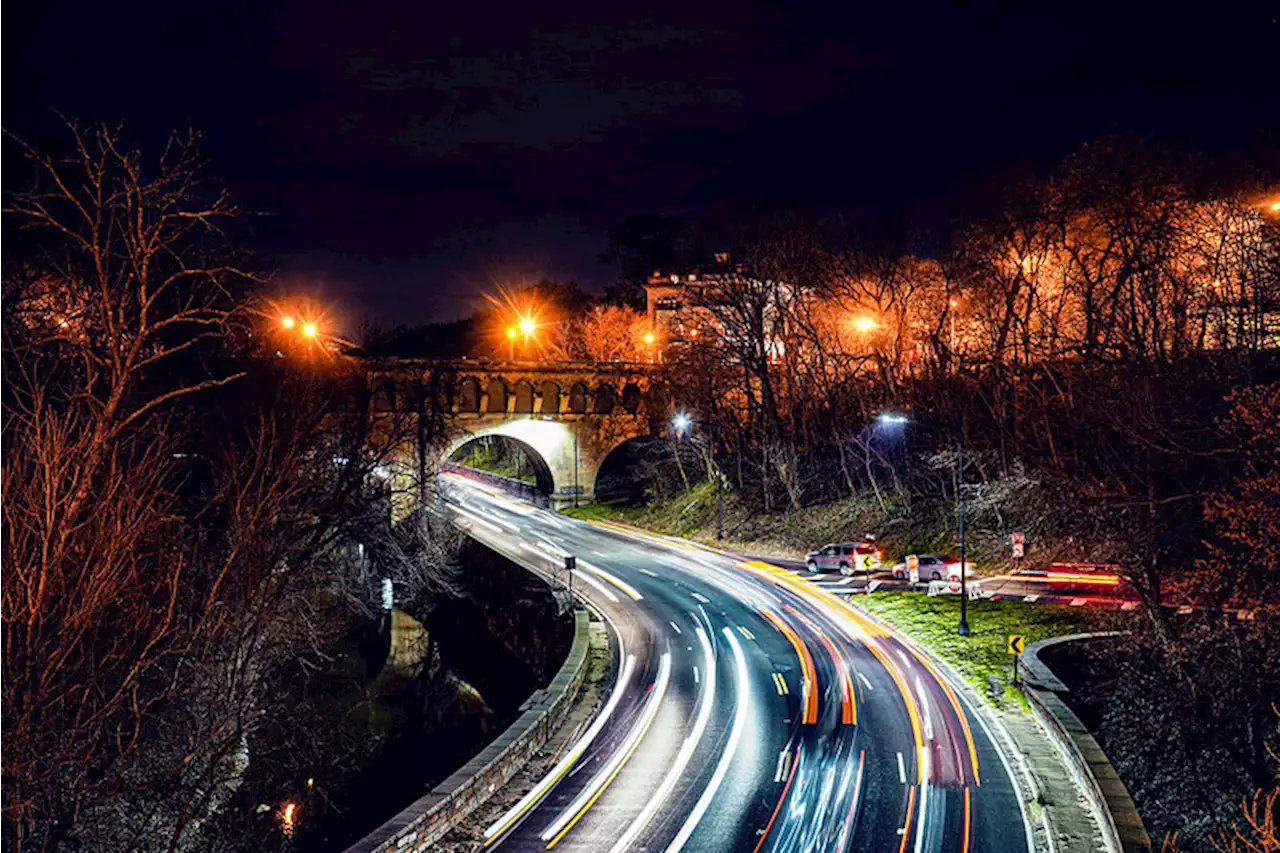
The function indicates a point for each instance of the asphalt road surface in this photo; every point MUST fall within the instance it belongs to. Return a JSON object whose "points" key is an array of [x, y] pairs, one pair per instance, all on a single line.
{"points": [[751, 711]]}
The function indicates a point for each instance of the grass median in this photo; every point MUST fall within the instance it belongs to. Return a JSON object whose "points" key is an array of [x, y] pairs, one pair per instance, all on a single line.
{"points": [[983, 655]]}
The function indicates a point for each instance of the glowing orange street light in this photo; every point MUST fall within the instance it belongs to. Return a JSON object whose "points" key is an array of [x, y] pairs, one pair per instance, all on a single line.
{"points": [[1274, 207], [287, 322], [648, 337], [865, 324], [511, 333], [527, 326], [309, 329], [287, 815]]}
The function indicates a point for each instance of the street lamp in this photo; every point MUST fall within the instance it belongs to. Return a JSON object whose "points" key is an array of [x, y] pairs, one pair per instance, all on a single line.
{"points": [[681, 423], [865, 324], [309, 329], [511, 344], [964, 581], [287, 322]]}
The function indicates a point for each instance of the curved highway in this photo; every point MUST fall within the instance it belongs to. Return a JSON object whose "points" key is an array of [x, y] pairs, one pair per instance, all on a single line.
{"points": [[750, 711]]}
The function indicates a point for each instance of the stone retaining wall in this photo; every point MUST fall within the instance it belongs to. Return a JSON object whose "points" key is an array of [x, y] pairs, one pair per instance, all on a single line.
{"points": [[430, 817]]}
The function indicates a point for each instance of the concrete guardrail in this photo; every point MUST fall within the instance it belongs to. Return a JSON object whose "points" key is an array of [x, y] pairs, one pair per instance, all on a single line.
{"points": [[1122, 825], [430, 817]]}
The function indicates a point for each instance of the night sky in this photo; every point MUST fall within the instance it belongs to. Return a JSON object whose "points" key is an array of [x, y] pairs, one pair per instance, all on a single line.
{"points": [[410, 156]]}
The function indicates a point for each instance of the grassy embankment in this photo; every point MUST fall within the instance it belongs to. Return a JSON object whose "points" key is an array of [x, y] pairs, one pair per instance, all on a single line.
{"points": [[932, 622], [792, 534], [498, 460], [983, 655]]}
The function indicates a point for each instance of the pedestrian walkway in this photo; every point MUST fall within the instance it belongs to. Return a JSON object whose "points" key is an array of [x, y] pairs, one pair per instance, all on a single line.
{"points": [[1071, 819]]}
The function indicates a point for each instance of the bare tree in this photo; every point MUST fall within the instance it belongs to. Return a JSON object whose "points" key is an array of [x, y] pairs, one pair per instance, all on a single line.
{"points": [[180, 505]]}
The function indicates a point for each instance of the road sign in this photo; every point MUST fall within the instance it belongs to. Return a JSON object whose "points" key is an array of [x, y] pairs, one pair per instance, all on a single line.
{"points": [[1019, 539], [868, 561], [1015, 644], [1017, 550], [954, 586], [913, 562]]}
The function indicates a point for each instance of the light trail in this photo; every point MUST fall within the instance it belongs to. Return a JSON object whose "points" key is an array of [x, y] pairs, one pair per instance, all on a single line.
{"points": [[597, 786], [705, 703], [795, 763], [848, 708], [626, 588], [809, 680], [906, 827], [739, 723], [475, 519], [924, 798], [502, 824], [599, 587], [847, 830]]}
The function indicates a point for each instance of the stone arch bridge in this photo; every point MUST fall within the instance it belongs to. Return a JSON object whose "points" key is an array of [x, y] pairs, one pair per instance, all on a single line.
{"points": [[566, 416]]}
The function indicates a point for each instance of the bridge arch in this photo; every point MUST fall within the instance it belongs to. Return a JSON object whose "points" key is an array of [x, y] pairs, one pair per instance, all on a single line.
{"points": [[578, 398], [495, 396], [468, 396], [550, 397], [571, 415], [543, 479], [524, 398], [605, 400], [631, 398]]}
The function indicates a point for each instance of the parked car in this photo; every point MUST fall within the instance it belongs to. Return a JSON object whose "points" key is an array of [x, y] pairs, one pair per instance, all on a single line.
{"points": [[932, 567], [845, 557]]}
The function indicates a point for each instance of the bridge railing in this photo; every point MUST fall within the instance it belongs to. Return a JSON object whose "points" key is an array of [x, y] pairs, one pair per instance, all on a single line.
{"points": [[519, 488]]}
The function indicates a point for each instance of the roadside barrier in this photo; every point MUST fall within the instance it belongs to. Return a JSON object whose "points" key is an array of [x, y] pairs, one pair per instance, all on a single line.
{"points": [[1122, 824], [430, 817]]}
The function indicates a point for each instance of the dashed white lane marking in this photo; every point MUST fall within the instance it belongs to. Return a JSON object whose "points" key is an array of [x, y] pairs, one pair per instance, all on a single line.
{"points": [[675, 627], [783, 770], [902, 770]]}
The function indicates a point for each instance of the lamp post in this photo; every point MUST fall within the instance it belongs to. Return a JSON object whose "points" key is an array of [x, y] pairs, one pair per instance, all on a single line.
{"points": [[511, 344], [715, 448], [964, 585]]}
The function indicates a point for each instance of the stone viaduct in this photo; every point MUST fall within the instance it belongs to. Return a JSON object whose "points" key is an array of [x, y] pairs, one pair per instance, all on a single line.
{"points": [[567, 416]]}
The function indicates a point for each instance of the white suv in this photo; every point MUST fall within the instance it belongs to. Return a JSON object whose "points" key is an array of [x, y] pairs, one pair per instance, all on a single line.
{"points": [[845, 557]]}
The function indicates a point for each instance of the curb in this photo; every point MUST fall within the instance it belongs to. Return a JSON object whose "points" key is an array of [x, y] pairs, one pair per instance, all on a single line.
{"points": [[1122, 824], [432, 816]]}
